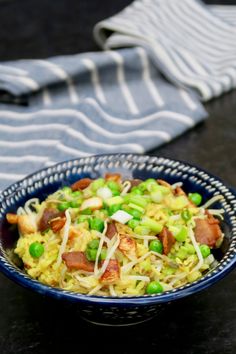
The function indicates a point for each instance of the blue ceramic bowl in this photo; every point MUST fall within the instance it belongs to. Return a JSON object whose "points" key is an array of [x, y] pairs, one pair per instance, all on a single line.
{"points": [[110, 310]]}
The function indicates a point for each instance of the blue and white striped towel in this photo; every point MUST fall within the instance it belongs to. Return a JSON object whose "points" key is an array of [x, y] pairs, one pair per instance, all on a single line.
{"points": [[111, 101], [190, 44]]}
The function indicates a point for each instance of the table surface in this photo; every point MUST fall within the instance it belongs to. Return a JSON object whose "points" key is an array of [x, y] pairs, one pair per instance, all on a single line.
{"points": [[200, 324]]}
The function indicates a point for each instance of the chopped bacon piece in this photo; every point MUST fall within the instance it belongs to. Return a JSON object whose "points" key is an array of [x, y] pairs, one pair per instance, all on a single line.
{"points": [[77, 260], [48, 215], [167, 240], [207, 231], [163, 183], [135, 182], [57, 224], [127, 246], [116, 177], [12, 218], [111, 230], [81, 184], [112, 272], [178, 191]]}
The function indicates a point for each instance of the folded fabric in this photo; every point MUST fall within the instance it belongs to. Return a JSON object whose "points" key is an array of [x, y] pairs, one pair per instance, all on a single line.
{"points": [[226, 13], [92, 103], [88, 104], [191, 45]]}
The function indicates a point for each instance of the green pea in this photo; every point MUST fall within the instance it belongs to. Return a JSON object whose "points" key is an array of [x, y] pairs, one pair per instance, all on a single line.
{"points": [[186, 215], [205, 250], [76, 194], [94, 244], [133, 223], [36, 249], [103, 254], [96, 224], [156, 246], [82, 218], [91, 254], [98, 183], [75, 203], [136, 190], [113, 208], [63, 206], [195, 198], [182, 234], [87, 211], [135, 213], [154, 287]]}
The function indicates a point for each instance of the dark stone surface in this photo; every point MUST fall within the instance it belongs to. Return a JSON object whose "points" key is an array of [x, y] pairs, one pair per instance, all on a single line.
{"points": [[201, 324]]}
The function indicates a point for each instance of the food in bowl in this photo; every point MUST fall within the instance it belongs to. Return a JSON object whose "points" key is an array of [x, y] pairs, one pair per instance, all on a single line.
{"points": [[115, 237]]}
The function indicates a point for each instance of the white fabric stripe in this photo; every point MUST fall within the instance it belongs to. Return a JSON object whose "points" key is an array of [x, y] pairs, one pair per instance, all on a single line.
{"points": [[28, 143], [214, 24], [71, 151], [200, 36], [12, 70], [49, 163], [147, 78], [11, 176], [62, 74], [122, 82], [109, 118], [78, 135], [90, 65], [46, 143], [26, 81], [188, 100], [72, 91], [47, 101], [144, 120], [58, 71], [25, 158]]}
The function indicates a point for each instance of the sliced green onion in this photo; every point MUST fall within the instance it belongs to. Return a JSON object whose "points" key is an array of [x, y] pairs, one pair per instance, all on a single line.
{"points": [[114, 200], [98, 183], [136, 207], [141, 230], [182, 234], [151, 224]]}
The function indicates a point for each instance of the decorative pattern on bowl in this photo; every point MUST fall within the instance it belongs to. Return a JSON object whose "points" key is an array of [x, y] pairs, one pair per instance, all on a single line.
{"points": [[109, 309]]}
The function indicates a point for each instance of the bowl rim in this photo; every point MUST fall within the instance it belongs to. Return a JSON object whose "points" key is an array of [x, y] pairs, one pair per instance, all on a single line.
{"points": [[26, 281]]}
